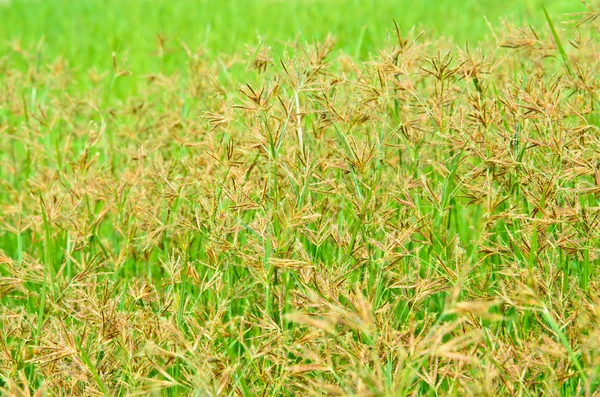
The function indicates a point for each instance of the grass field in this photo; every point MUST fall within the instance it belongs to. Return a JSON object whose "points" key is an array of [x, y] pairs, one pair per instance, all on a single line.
{"points": [[285, 198]]}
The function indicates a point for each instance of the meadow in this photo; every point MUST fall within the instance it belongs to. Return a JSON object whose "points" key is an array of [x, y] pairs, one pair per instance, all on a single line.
{"points": [[289, 198]]}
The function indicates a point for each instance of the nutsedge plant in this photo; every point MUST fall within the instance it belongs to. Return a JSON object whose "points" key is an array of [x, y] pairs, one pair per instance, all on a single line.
{"points": [[424, 221]]}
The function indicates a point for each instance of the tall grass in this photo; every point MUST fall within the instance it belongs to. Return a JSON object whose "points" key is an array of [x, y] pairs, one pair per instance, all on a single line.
{"points": [[421, 220]]}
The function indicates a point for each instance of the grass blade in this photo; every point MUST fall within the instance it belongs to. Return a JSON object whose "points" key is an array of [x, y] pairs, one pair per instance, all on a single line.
{"points": [[557, 41]]}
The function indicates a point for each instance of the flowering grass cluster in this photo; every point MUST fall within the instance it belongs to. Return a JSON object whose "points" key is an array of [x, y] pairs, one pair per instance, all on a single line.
{"points": [[422, 222]]}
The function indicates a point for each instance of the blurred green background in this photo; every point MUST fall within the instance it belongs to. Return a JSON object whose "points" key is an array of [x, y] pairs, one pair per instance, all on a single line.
{"points": [[87, 31], [83, 34]]}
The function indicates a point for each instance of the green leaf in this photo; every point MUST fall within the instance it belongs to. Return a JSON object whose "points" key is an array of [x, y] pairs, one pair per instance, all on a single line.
{"points": [[559, 45]]}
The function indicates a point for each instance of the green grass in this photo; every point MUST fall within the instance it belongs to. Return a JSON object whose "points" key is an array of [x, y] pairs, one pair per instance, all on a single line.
{"points": [[213, 198], [85, 33]]}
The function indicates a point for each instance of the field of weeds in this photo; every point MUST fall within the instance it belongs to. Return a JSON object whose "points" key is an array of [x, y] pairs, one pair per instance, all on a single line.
{"points": [[397, 215]]}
